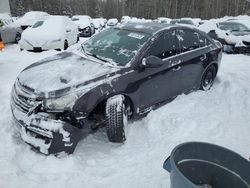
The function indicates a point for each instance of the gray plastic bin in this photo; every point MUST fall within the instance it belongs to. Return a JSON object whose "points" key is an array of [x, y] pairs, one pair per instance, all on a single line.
{"points": [[203, 165]]}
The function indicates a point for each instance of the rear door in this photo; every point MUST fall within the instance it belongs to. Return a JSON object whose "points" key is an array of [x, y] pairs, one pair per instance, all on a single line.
{"points": [[193, 54]]}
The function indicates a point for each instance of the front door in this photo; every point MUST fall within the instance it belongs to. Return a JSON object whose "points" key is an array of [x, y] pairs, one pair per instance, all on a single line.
{"points": [[158, 84]]}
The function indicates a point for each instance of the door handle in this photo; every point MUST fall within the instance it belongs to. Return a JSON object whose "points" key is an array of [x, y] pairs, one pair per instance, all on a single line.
{"points": [[203, 57], [176, 68]]}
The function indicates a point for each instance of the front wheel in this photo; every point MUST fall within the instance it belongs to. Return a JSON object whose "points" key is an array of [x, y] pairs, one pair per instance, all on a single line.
{"points": [[116, 119], [208, 78]]}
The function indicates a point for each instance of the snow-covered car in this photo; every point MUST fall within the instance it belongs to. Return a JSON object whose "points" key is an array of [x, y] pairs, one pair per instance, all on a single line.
{"points": [[12, 32], [119, 74], [185, 21], [85, 25], [112, 22], [163, 20], [5, 20], [30, 18], [8, 31], [56, 32], [233, 34], [98, 24], [125, 19]]}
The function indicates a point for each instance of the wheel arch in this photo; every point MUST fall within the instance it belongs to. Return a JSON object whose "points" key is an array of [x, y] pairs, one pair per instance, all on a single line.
{"points": [[215, 64], [102, 102]]}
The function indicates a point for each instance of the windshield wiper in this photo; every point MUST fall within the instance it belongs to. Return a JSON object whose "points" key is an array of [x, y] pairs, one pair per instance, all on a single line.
{"points": [[97, 57], [83, 49], [93, 55]]}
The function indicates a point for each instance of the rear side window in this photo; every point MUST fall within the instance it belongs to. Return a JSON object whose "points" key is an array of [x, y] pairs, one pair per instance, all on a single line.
{"points": [[165, 46], [189, 40]]}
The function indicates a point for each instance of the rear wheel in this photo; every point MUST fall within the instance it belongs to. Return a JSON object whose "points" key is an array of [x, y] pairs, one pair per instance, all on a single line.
{"points": [[66, 45], [116, 119], [208, 78]]}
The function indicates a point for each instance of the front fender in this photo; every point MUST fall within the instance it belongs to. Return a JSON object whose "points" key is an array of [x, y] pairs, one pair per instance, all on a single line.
{"points": [[87, 102]]}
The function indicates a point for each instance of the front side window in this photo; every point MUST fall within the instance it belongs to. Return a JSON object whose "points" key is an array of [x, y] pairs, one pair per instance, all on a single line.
{"points": [[165, 46], [189, 40], [116, 46]]}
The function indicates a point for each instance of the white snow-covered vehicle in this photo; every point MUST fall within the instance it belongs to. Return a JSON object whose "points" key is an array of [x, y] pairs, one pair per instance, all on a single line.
{"points": [[8, 32], [112, 22], [85, 25], [30, 18], [125, 19], [98, 24], [233, 34], [163, 20], [56, 32], [5, 20], [184, 21]]}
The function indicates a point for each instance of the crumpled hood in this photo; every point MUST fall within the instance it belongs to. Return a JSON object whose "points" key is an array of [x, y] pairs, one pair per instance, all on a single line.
{"points": [[62, 71]]}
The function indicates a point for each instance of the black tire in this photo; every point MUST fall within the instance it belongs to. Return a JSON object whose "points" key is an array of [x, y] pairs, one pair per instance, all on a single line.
{"points": [[18, 37], [66, 45], [116, 119], [78, 39], [208, 78]]}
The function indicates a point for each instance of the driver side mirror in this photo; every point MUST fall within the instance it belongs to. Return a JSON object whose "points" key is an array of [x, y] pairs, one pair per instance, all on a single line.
{"points": [[152, 62]]}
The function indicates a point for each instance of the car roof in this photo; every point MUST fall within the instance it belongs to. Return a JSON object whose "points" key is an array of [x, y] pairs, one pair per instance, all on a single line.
{"points": [[153, 28], [147, 27]]}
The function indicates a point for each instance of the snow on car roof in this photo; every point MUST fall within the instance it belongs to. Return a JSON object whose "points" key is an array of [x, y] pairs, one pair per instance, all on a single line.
{"points": [[82, 17], [145, 27], [35, 14]]}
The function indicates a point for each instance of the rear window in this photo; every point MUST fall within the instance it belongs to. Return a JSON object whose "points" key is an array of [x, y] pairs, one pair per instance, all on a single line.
{"points": [[75, 19]]}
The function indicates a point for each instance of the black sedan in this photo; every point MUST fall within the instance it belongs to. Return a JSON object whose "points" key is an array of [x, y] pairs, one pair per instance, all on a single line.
{"points": [[120, 74]]}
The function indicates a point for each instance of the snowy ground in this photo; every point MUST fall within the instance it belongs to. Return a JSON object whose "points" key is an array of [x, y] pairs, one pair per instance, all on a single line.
{"points": [[220, 116]]}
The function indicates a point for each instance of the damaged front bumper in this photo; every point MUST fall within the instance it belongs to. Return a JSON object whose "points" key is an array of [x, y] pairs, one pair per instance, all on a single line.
{"points": [[47, 135]]}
